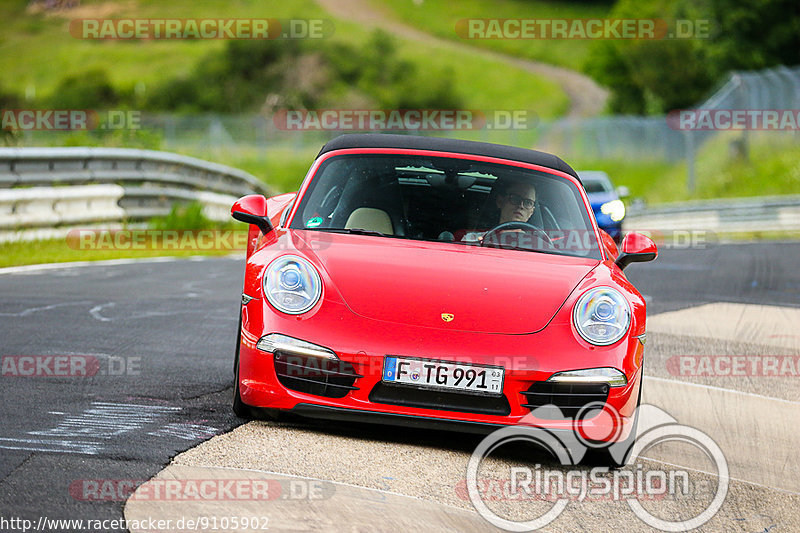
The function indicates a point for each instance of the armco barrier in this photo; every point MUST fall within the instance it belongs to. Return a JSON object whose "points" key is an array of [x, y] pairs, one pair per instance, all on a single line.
{"points": [[761, 214], [47, 188]]}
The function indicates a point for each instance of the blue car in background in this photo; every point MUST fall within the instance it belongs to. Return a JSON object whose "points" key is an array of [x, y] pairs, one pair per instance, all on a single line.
{"points": [[606, 201]]}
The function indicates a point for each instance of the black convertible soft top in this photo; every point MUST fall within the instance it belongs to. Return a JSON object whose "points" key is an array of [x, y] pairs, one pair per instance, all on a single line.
{"points": [[417, 142]]}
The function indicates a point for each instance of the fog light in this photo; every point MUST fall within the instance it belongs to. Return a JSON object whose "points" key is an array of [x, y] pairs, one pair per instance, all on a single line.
{"points": [[610, 376], [275, 342]]}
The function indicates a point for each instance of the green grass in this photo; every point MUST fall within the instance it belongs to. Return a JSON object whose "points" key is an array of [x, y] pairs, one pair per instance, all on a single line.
{"points": [[51, 53], [439, 17], [638, 176], [772, 167], [38, 50], [58, 251], [282, 168]]}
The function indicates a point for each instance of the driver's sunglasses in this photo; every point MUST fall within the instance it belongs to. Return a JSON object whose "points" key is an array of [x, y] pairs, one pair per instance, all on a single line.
{"points": [[517, 201]]}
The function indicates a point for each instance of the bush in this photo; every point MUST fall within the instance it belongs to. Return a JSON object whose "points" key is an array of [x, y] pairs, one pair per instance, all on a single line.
{"points": [[183, 217], [87, 90], [657, 76], [305, 75]]}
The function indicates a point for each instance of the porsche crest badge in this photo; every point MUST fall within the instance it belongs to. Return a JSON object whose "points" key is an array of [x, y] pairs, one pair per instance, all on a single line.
{"points": [[448, 317]]}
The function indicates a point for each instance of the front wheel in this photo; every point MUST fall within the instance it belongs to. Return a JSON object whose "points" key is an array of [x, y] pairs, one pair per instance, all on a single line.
{"points": [[603, 456], [240, 409]]}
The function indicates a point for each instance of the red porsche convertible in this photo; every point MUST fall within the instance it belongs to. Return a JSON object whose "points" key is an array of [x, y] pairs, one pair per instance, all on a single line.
{"points": [[441, 283]]}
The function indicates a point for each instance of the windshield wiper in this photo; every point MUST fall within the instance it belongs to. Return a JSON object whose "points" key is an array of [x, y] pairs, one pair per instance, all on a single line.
{"points": [[354, 231]]}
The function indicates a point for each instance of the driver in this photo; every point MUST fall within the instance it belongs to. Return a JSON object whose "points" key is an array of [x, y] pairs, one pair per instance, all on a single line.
{"points": [[516, 201]]}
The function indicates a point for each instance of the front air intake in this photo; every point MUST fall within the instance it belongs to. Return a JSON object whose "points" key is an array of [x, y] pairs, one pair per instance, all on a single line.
{"points": [[570, 398], [314, 375]]}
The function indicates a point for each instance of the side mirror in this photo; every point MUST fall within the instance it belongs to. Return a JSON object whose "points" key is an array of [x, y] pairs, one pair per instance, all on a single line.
{"points": [[623, 191], [253, 210], [636, 248]]}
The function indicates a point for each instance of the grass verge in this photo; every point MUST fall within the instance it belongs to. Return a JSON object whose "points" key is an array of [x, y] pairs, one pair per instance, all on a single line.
{"points": [[59, 251], [52, 53], [439, 17]]}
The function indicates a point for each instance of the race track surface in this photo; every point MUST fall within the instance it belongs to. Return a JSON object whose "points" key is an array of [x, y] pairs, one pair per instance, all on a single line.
{"points": [[158, 337]]}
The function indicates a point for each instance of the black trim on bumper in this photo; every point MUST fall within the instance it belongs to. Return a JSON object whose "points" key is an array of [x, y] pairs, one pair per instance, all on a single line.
{"points": [[372, 417], [439, 399]]}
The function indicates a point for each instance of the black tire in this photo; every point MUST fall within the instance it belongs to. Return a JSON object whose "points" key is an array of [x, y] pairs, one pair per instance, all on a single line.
{"points": [[603, 456], [240, 409]]}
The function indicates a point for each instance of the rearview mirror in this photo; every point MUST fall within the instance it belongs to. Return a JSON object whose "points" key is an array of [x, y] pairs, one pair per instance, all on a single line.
{"points": [[253, 210], [636, 248]]}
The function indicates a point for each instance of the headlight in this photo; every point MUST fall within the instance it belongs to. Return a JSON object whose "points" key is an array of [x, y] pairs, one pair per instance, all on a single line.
{"points": [[615, 209], [602, 316], [292, 285]]}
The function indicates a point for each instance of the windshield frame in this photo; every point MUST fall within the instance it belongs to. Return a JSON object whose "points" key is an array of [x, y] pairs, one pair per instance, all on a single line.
{"points": [[575, 182]]}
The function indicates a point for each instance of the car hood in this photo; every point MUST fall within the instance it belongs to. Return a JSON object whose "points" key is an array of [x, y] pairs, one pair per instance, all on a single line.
{"points": [[417, 283]]}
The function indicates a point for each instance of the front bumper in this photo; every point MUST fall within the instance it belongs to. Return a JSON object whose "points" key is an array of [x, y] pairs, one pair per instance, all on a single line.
{"points": [[354, 390]]}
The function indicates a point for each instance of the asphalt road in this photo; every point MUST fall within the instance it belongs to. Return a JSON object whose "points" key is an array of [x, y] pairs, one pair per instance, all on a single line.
{"points": [[159, 337]]}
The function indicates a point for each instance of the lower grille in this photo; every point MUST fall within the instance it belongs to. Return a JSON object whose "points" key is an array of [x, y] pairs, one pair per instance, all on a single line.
{"points": [[314, 375], [439, 400], [570, 398]]}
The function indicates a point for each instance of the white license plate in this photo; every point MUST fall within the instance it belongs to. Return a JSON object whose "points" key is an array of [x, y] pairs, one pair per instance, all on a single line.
{"points": [[429, 374]]}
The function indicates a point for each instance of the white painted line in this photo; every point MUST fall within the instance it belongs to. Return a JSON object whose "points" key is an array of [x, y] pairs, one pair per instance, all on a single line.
{"points": [[44, 267], [757, 434], [102, 420], [44, 445], [342, 483], [95, 311], [716, 474], [186, 431], [31, 310], [767, 325], [720, 389]]}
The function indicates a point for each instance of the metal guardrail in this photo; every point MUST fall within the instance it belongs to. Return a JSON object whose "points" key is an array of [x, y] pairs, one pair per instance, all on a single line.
{"points": [[57, 187], [760, 214], [46, 188]]}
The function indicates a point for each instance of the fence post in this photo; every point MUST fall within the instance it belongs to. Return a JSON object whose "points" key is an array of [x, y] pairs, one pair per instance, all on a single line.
{"points": [[690, 160]]}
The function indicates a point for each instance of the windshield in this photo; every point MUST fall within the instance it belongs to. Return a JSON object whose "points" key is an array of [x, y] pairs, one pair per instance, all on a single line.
{"points": [[449, 200], [597, 185]]}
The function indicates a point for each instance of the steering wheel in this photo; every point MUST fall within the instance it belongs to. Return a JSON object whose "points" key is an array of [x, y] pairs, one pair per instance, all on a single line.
{"points": [[507, 226], [548, 219]]}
